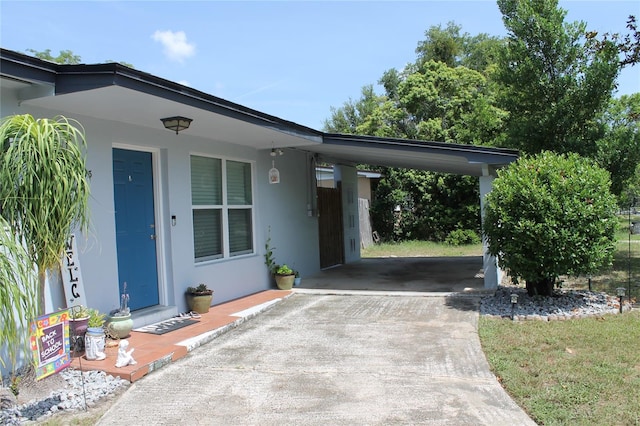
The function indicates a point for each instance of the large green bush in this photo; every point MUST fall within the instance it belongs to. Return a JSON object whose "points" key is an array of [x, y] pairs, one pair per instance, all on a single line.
{"points": [[550, 215]]}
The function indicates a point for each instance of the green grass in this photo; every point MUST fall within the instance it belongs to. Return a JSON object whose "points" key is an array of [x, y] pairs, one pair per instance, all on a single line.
{"points": [[574, 372], [420, 249]]}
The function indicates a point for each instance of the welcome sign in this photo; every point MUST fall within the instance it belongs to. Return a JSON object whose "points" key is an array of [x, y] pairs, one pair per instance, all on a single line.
{"points": [[50, 343]]}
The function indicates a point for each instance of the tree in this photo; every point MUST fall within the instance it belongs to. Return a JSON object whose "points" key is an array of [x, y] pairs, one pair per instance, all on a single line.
{"points": [[66, 57], [555, 85], [353, 113], [436, 99], [44, 189], [618, 150], [550, 215]]}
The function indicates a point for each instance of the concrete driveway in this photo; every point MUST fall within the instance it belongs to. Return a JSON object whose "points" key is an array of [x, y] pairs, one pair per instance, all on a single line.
{"points": [[331, 359]]}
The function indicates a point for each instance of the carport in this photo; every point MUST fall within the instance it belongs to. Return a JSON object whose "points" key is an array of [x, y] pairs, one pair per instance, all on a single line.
{"points": [[482, 162]]}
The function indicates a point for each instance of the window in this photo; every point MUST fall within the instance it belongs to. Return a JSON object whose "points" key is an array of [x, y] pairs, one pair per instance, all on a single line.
{"points": [[222, 204]]}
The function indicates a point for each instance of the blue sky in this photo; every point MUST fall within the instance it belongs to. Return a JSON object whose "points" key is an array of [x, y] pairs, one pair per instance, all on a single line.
{"points": [[291, 59]]}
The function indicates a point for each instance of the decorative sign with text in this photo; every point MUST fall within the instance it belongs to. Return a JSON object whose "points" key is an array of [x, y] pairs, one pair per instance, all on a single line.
{"points": [[50, 343], [72, 275]]}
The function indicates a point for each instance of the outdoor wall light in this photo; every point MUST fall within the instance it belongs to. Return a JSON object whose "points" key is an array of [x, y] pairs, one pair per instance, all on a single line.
{"points": [[176, 123], [620, 291], [514, 302]]}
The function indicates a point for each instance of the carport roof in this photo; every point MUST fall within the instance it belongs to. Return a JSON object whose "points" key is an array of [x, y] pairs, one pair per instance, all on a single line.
{"points": [[132, 96], [413, 154]]}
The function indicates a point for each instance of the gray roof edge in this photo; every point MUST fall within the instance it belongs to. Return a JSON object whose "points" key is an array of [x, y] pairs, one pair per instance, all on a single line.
{"points": [[70, 78], [414, 143], [30, 69]]}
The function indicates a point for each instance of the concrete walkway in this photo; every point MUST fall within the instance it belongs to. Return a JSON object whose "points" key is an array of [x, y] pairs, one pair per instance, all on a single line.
{"points": [[332, 359]]}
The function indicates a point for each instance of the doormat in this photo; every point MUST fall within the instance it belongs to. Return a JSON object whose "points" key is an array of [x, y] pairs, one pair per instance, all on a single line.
{"points": [[166, 326]]}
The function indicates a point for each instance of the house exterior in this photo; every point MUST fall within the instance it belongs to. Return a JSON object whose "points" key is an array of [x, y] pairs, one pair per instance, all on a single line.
{"points": [[170, 210]]}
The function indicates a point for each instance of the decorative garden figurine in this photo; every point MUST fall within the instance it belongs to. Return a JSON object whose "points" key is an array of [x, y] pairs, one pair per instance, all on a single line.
{"points": [[124, 357]]}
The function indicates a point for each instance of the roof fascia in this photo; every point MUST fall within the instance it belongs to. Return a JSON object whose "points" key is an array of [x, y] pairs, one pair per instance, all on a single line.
{"points": [[473, 153], [26, 68]]}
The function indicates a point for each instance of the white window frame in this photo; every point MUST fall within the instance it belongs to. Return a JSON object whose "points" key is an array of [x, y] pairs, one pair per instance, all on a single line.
{"points": [[224, 209]]}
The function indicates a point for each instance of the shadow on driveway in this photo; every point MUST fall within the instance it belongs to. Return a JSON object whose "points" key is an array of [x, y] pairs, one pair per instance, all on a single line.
{"points": [[461, 274]]}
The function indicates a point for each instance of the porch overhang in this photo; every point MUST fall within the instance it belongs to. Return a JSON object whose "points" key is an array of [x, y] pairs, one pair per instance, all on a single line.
{"points": [[412, 154]]}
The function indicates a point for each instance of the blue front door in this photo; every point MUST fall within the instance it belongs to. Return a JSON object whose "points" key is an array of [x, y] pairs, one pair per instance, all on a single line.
{"points": [[135, 226]]}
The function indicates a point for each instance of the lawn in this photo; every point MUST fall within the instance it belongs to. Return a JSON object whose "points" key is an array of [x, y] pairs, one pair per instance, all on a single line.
{"points": [[576, 372], [420, 248]]}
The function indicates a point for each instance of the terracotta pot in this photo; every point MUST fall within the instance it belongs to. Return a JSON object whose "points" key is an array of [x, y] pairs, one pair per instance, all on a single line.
{"points": [[119, 326], [199, 304], [285, 282]]}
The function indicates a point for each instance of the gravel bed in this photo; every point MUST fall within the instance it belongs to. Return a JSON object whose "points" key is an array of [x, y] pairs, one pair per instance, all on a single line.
{"points": [[73, 397], [563, 305]]}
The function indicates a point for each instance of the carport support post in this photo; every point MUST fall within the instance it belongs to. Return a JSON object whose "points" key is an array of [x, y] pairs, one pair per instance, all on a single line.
{"points": [[492, 274]]}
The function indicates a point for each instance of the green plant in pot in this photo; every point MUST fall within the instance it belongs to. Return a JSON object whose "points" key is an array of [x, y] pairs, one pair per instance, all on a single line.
{"points": [[78, 320], [78, 323], [119, 323], [199, 298], [96, 319], [285, 276]]}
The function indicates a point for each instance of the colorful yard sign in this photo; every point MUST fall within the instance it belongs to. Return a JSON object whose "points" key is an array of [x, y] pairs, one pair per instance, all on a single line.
{"points": [[50, 343]]}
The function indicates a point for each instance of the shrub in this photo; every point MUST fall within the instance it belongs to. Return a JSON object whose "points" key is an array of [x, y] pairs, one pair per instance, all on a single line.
{"points": [[550, 215], [461, 237]]}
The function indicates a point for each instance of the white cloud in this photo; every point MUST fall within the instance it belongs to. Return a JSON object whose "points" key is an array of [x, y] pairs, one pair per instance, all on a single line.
{"points": [[176, 46]]}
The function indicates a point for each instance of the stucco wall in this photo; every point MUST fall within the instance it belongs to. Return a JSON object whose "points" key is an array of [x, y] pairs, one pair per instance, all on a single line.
{"points": [[283, 207]]}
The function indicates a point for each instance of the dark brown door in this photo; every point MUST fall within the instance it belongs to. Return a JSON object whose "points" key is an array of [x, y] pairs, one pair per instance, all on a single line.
{"points": [[330, 227]]}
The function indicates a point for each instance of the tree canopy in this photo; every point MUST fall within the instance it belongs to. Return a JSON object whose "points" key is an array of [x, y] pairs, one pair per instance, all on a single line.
{"points": [[554, 86], [66, 57]]}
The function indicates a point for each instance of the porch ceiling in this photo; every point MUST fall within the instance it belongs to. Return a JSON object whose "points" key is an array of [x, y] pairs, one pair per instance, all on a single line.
{"points": [[122, 105]]}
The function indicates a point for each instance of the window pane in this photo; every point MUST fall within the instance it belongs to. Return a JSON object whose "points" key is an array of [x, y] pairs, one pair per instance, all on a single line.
{"points": [[240, 236], [238, 183], [206, 181], [207, 235]]}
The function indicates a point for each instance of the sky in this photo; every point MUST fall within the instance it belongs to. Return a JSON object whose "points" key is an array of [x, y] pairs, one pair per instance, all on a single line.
{"points": [[291, 59]]}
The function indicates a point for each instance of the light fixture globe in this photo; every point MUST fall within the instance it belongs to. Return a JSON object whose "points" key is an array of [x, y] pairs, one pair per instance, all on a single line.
{"points": [[176, 123]]}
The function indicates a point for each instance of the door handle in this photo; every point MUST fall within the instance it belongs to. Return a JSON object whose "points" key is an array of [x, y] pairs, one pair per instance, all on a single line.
{"points": [[152, 236]]}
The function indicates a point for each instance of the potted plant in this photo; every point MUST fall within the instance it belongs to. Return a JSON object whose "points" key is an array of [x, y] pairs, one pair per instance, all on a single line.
{"points": [[298, 279], [94, 338], [78, 320], [199, 298], [119, 322], [283, 274], [96, 319], [285, 277]]}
